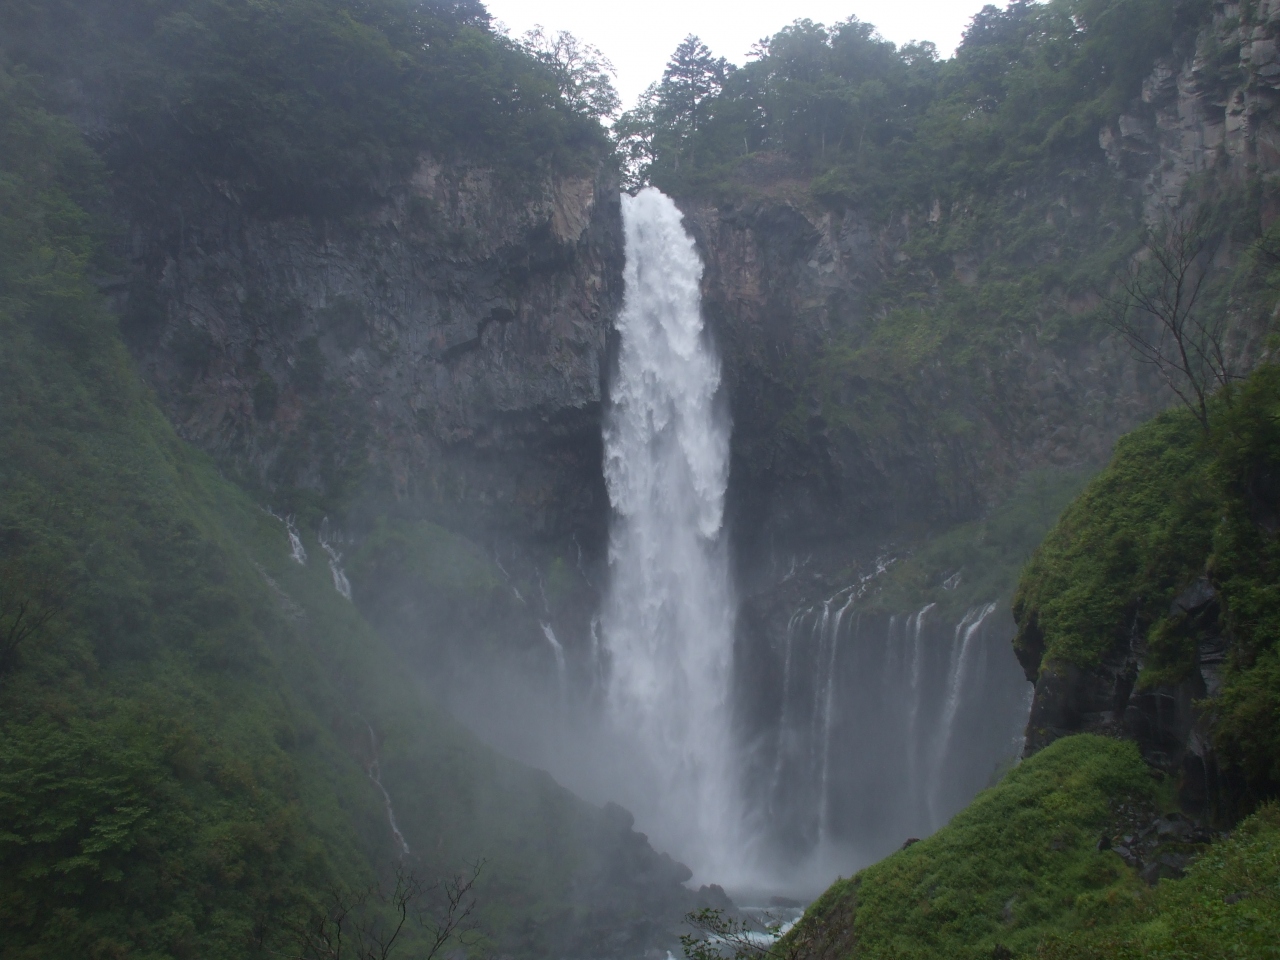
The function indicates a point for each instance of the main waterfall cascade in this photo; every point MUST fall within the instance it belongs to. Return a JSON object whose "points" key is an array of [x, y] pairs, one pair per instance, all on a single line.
{"points": [[668, 617], [770, 753]]}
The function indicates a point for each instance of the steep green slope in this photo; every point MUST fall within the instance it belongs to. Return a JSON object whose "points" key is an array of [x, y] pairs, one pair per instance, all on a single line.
{"points": [[188, 717], [1176, 502], [1020, 872]]}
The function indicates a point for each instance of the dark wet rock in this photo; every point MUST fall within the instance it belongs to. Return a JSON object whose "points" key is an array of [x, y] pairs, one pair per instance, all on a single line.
{"points": [[711, 896], [1194, 598], [1167, 721], [449, 341]]}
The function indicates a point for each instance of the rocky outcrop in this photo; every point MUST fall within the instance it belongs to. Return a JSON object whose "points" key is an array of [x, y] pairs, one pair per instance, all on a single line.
{"points": [[1167, 720], [448, 343], [1214, 112]]}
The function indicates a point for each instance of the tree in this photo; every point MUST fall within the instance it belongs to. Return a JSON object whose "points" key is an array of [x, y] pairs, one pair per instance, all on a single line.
{"points": [[35, 584], [583, 74], [692, 77], [367, 924], [633, 136], [670, 113], [1159, 313], [719, 937]]}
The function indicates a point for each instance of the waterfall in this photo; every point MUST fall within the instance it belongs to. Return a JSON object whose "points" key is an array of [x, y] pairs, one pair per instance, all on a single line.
{"points": [[966, 630], [340, 581], [297, 553], [916, 630], [882, 727], [374, 773], [557, 651], [828, 701], [667, 620]]}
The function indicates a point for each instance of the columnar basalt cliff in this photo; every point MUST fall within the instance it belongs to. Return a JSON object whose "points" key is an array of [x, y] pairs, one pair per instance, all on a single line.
{"points": [[447, 343]]}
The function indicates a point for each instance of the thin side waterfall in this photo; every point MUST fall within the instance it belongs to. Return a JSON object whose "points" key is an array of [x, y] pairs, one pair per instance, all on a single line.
{"points": [[667, 620], [297, 552], [557, 650], [829, 681], [340, 581], [374, 773], [915, 626], [786, 699], [884, 725], [966, 630]]}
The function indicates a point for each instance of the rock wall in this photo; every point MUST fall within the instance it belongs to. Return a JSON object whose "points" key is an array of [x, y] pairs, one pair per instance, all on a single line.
{"points": [[1213, 116], [1165, 720], [1214, 113], [447, 344], [785, 283]]}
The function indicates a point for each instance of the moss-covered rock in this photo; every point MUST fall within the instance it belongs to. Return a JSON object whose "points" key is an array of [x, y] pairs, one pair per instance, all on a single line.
{"points": [[1158, 589]]}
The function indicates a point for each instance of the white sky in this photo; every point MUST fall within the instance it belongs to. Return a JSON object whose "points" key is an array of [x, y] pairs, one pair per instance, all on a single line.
{"points": [[639, 36]]}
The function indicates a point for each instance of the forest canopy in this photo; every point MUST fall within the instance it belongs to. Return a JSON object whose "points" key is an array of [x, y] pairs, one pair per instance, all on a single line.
{"points": [[869, 120], [295, 104]]}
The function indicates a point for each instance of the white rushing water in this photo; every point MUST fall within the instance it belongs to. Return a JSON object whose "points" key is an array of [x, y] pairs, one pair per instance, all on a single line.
{"points": [[340, 581], [667, 621]]}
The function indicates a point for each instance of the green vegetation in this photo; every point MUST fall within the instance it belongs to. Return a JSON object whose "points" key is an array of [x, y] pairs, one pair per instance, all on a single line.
{"points": [[978, 561], [1021, 861], [1140, 532], [188, 716], [294, 105], [1226, 907], [1020, 873], [1177, 503], [890, 129]]}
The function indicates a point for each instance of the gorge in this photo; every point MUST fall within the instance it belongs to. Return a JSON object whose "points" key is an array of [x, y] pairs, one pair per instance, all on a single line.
{"points": [[415, 476]]}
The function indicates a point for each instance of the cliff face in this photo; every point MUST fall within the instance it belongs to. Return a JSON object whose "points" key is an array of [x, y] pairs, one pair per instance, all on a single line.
{"points": [[786, 287], [447, 344], [1213, 117], [1214, 113], [448, 347]]}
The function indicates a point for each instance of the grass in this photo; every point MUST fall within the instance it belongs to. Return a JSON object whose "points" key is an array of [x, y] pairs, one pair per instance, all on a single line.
{"points": [[1018, 873], [1020, 862]]}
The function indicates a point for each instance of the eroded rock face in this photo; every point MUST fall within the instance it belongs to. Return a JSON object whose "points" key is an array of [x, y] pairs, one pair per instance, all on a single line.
{"points": [[784, 283], [1167, 720], [450, 341], [1214, 112]]}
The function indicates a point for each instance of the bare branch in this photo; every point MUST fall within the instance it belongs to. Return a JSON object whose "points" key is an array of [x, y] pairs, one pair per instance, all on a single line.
{"points": [[1157, 312], [724, 938], [369, 923], [460, 903]]}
